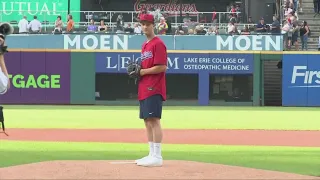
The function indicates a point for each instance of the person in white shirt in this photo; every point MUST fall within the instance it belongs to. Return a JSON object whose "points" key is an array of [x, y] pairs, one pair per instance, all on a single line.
{"points": [[58, 25], [35, 25], [23, 25], [231, 27], [137, 29]]}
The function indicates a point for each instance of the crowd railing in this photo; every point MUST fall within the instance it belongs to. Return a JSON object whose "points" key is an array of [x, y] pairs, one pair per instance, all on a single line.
{"points": [[223, 27], [110, 17]]}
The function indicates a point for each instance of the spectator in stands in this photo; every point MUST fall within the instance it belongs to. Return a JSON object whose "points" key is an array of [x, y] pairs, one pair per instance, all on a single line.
{"points": [[232, 28], [92, 27], [288, 9], [238, 10], [261, 26], [137, 29], [120, 23], [157, 14], [191, 24], [316, 4], [300, 6], [285, 29], [250, 20], [214, 18], [162, 26], [232, 18], [200, 30], [70, 24], [129, 29], [179, 31], [58, 25], [290, 33], [23, 25], [295, 35], [278, 8], [202, 18], [216, 30], [210, 31], [102, 27], [190, 32], [275, 27], [295, 5], [245, 30], [304, 34], [168, 21], [187, 18], [233, 11], [35, 25]]}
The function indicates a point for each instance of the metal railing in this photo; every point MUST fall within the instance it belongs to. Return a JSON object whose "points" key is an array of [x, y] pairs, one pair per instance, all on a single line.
{"points": [[111, 16]]}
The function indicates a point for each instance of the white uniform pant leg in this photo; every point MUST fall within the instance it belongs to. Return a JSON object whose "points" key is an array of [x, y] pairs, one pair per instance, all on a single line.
{"points": [[3, 83]]}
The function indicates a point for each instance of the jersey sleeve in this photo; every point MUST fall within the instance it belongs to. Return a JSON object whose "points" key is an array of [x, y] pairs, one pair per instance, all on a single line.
{"points": [[160, 54]]}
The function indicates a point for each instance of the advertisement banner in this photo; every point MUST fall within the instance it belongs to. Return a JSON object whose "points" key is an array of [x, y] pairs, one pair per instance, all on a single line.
{"points": [[301, 80], [45, 10], [134, 42], [38, 78], [181, 63]]}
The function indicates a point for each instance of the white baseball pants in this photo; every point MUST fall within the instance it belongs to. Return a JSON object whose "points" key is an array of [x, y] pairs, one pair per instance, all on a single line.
{"points": [[3, 83]]}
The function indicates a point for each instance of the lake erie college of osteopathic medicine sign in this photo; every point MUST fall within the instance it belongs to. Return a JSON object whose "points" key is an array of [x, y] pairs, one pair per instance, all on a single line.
{"points": [[134, 42]]}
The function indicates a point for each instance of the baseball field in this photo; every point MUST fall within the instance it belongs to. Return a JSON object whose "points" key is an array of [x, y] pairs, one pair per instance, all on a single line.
{"points": [[100, 142]]}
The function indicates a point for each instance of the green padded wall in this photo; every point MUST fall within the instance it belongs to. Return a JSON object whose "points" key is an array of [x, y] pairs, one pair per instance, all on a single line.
{"points": [[82, 78]]}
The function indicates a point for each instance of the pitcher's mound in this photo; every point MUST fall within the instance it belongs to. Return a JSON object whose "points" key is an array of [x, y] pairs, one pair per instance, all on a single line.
{"points": [[119, 170]]}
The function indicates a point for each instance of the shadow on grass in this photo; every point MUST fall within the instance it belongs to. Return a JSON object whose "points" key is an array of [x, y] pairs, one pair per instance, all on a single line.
{"points": [[292, 163]]}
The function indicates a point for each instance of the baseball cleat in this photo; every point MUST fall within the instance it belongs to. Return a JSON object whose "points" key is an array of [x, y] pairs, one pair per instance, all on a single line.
{"points": [[142, 159], [151, 162]]}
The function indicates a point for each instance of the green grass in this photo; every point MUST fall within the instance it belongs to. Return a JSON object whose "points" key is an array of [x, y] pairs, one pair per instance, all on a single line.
{"points": [[118, 117], [286, 159]]}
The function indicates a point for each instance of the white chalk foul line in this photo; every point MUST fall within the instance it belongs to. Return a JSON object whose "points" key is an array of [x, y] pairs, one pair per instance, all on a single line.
{"points": [[123, 162]]}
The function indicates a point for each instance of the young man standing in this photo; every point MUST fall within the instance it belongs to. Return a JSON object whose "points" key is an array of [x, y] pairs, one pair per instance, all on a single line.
{"points": [[152, 89]]}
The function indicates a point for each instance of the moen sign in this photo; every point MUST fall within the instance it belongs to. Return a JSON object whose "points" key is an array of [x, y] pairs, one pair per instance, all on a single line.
{"points": [[134, 42], [244, 43], [95, 42], [44, 9]]}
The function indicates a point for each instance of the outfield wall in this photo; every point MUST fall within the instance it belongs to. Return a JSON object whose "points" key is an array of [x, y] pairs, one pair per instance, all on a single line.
{"points": [[69, 76]]}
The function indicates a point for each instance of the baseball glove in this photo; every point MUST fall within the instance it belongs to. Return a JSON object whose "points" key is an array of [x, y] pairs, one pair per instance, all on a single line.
{"points": [[133, 70]]}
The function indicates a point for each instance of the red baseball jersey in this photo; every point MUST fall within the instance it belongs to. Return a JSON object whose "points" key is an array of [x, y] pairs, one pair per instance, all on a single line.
{"points": [[153, 53]]}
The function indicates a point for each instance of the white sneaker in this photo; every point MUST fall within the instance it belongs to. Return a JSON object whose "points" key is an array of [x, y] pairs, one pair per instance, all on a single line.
{"points": [[151, 162], [142, 159]]}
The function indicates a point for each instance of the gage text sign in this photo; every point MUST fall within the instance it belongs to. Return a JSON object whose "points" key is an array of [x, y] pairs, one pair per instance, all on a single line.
{"points": [[38, 78]]}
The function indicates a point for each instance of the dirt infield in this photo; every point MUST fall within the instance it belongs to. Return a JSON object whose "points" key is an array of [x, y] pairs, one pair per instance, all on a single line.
{"points": [[217, 137], [106, 170], [170, 170]]}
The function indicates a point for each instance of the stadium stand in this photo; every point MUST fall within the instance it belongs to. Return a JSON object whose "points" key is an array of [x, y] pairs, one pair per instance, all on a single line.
{"points": [[289, 16]]}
